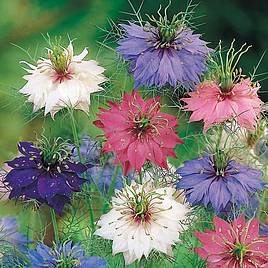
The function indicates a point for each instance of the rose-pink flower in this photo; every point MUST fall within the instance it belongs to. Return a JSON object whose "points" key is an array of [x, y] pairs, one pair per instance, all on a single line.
{"points": [[214, 105], [234, 245], [136, 131]]}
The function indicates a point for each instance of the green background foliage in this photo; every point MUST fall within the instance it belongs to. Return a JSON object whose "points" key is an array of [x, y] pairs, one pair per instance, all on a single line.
{"points": [[23, 22]]}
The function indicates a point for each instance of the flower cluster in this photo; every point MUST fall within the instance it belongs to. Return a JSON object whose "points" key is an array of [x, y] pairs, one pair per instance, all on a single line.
{"points": [[137, 188]]}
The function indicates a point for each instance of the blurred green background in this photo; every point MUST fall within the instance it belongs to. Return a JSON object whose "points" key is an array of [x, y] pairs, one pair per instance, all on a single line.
{"points": [[22, 23]]}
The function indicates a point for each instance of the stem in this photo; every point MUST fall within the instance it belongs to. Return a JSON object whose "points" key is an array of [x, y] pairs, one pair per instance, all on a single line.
{"points": [[54, 223], [77, 145], [75, 135], [113, 180], [219, 138], [140, 178], [91, 214]]}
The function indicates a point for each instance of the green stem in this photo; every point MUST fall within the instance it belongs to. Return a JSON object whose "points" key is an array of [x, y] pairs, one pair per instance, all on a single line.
{"points": [[77, 144], [54, 223], [75, 135], [113, 181], [218, 143], [91, 214], [140, 178]]}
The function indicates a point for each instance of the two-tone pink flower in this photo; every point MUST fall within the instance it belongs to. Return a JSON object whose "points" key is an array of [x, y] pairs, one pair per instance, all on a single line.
{"points": [[234, 245]]}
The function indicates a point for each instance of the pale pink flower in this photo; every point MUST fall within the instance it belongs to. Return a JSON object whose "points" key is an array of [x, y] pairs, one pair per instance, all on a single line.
{"points": [[210, 103]]}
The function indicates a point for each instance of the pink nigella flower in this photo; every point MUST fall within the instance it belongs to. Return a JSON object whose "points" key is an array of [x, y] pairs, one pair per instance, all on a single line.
{"points": [[234, 245], [210, 103], [137, 132]]}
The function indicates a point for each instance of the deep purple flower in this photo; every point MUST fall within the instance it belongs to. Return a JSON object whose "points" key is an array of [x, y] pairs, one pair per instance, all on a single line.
{"points": [[169, 53], [48, 175], [9, 234], [63, 255], [206, 185]]}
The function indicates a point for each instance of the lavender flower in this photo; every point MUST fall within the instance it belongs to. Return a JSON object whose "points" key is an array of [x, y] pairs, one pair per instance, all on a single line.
{"points": [[206, 182], [261, 150], [63, 255], [45, 173], [167, 53], [102, 167], [9, 234]]}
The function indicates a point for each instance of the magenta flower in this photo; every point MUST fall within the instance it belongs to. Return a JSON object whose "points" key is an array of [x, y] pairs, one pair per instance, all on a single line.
{"points": [[137, 132], [234, 245]]}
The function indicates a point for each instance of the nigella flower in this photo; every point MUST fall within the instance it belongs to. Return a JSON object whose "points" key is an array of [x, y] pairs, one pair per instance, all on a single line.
{"points": [[44, 173], [220, 184], [63, 255], [9, 234], [163, 52], [261, 150], [137, 132], [226, 95], [143, 218], [235, 244], [62, 80], [102, 167]]}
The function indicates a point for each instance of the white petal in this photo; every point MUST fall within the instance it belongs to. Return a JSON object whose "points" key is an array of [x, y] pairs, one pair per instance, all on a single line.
{"points": [[81, 56]]}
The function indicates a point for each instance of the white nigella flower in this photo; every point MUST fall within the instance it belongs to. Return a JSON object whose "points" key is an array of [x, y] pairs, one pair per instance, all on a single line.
{"points": [[143, 218], [62, 80], [246, 147]]}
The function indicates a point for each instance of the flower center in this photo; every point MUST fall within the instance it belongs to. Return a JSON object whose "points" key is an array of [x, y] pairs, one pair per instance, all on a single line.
{"points": [[138, 204], [167, 32], [142, 124], [67, 261], [224, 94], [220, 162], [240, 251], [167, 29], [224, 68], [52, 151], [60, 59], [140, 208]]}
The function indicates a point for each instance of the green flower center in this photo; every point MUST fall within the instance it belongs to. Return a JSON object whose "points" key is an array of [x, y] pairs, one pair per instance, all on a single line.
{"points": [[60, 59], [168, 29], [223, 68], [240, 251], [220, 162], [226, 83], [53, 150], [142, 123], [67, 262], [140, 204]]}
